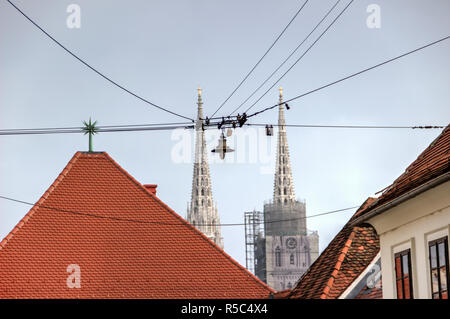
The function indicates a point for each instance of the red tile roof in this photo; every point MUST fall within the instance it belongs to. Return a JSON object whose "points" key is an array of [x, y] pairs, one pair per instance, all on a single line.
{"points": [[126, 241], [282, 294], [345, 258], [433, 162]]}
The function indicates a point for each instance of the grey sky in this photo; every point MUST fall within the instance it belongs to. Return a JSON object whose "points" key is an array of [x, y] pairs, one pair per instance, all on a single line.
{"points": [[163, 50]]}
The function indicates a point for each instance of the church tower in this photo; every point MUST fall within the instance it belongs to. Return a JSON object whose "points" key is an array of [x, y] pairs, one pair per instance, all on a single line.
{"points": [[283, 186], [285, 250], [202, 212]]}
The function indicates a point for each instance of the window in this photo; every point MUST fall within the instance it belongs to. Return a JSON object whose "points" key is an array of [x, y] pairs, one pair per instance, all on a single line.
{"points": [[438, 250], [292, 259], [278, 257], [289, 285], [403, 275]]}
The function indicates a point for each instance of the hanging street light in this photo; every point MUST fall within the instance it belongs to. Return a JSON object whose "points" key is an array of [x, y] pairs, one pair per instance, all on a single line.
{"points": [[222, 148]]}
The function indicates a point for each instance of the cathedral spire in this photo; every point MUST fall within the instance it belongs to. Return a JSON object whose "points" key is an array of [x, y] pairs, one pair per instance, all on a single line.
{"points": [[200, 104], [283, 185], [202, 212]]}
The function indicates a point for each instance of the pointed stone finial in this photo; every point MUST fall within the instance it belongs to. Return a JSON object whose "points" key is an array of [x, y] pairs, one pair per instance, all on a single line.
{"points": [[200, 106], [281, 92]]}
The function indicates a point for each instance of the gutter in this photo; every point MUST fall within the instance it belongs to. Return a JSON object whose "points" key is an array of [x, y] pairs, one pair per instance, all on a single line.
{"points": [[402, 198]]}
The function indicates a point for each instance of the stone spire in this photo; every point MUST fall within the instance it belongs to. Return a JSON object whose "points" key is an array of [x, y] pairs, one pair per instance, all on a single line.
{"points": [[283, 192], [202, 211]]}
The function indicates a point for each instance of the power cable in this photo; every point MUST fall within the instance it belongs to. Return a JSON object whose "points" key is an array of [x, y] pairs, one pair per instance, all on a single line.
{"points": [[352, 126], [172, 126], [264, 55], [102, 129], [351, 76], [285, 60], [301, 57], [95, 70], [162, 223]]}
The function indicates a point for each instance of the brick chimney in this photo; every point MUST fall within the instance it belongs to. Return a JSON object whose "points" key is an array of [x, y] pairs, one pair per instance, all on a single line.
{"points": [[151, 188]]}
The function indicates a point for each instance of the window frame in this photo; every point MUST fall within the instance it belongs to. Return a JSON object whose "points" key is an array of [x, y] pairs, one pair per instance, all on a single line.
{"points": [[400, 255], [436, 243]]}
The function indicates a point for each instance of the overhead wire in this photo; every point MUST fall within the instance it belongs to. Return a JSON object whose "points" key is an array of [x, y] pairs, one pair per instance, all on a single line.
{"points": [[100, 129], [149, 127], [97, 71], [288, 57], [351, 76], [263, 56], [184, 222], [301, 57], [351, 126]]}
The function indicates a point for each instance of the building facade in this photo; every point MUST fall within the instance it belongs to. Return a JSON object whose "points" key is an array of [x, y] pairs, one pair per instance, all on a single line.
{"points": [[412, 219], [285, 250], [202, 211]]}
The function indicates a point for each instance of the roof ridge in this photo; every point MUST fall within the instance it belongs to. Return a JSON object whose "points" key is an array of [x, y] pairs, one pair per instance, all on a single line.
{"points": [[41, 200], [338, 265], [176, 215]]}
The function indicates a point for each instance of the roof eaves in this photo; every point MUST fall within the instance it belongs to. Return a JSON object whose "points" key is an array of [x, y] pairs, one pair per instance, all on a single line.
{"points": [[374, 210]]}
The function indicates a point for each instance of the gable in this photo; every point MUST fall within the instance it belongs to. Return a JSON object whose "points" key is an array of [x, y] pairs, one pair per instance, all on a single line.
{"points": [[125, 240]]}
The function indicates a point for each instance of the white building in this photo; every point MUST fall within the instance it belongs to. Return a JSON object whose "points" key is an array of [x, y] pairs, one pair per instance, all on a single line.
{"points": [[412, 220]]}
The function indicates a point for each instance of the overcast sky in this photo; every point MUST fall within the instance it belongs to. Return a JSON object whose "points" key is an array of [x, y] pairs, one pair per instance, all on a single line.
{"points": [[164, 50]]}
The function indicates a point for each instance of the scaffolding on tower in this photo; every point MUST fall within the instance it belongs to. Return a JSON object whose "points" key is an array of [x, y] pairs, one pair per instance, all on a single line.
{"points": [[254, 229]]}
